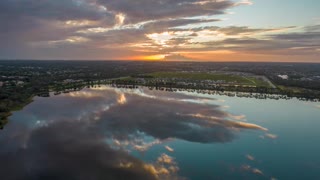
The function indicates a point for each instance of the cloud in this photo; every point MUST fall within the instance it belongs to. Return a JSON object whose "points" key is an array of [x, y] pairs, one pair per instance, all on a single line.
{"points": [[301, 43], [238, 117], [240, 30], [144, 10], [233, 124], [29, 22], [168, 148], [176, 57], [257, 171], [282, 42], [253, 170], [247, 2], [122, 99], [165, 159], [271, 136], [142, 146], [89, 135], [93, 29], [312, 28], [172, 116], [57, 10], [165, 115], [250, 157], [103, 29], [166, 165], [33, 20], [169, 24], [69, 150]]}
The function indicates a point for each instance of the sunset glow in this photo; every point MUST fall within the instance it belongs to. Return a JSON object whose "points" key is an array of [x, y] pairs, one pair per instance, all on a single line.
{"points": [[149, 58], [224, 30]]}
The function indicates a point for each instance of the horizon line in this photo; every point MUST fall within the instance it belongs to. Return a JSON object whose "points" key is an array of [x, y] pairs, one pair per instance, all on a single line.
{"points": [[192, 61]]}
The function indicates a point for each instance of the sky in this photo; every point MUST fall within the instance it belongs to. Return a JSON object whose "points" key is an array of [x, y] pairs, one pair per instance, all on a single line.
{"points": [[166, 30]]}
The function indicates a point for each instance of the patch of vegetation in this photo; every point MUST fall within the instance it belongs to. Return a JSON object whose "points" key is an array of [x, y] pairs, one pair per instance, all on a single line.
{"points": [[13, 98], [292, 89], [228, 78], [258, 82]]}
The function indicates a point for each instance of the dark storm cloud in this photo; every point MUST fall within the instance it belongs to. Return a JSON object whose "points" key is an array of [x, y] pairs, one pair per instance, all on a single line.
{"points": [[68, 150]]}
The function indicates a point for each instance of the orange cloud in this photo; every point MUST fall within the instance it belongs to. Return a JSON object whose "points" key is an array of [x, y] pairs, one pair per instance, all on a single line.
{"points": [[148, 57]]}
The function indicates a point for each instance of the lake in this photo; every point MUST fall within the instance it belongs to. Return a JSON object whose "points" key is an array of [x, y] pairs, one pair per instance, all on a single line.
{"points": [[111, 133]]}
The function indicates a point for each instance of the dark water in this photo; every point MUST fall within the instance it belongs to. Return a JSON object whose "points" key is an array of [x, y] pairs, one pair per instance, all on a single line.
{"points": [[108, 133]]}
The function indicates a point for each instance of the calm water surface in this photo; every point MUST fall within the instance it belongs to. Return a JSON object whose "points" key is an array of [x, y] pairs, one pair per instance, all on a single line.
{"points": [[109, 133]]}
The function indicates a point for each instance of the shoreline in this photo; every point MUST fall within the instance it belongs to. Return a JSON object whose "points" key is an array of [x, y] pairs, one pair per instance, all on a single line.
{"points": [[4, 118]]}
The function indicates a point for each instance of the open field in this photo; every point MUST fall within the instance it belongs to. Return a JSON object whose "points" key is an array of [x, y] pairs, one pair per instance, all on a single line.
{"points": [[292, 89], [252, 81]]}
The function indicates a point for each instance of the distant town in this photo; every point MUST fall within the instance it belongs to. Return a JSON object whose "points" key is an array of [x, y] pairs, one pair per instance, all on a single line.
{"points": [[21, 80]]}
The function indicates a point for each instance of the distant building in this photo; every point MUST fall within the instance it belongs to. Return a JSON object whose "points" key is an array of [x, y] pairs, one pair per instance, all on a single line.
{"points": [[285, 77], [19, 83], [71, 81]]}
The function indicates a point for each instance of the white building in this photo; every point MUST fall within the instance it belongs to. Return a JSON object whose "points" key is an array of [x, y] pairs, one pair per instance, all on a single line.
{"points": [[283, 77]]}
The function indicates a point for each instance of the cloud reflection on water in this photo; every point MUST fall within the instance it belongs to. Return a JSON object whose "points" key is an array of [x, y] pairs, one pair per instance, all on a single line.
{"points": [[182, 117], [69, 150], [68, 136]]}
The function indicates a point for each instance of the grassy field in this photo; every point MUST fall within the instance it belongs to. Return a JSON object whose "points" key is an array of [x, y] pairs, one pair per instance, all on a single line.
{"points": [[209, 76], [292, 89], [258, 82]]}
